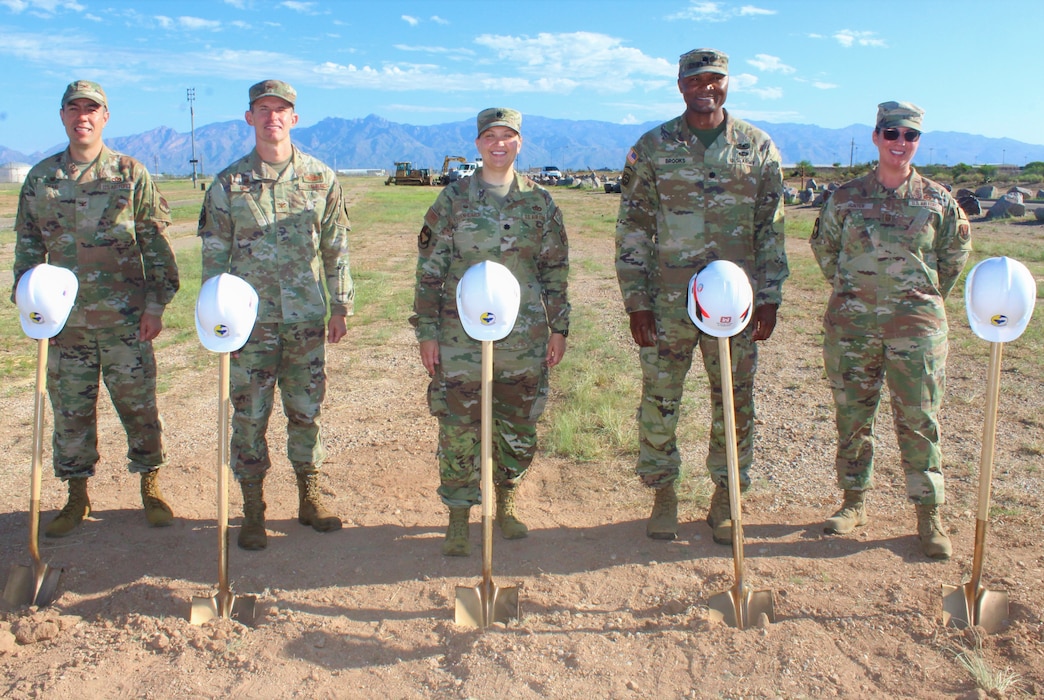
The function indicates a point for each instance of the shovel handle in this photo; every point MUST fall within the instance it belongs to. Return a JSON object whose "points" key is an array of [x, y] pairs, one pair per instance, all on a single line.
{"points": [[224, 594], [486, 465], [36, 475], [731, 459], [989, 434]]}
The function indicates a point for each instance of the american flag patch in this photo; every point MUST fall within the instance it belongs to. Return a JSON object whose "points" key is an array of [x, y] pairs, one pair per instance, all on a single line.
{"points": [[632, 157]]}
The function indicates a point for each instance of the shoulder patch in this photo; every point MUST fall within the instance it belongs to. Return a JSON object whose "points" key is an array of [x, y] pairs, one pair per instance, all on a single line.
{"points": [[632, 156], [424, 237]]}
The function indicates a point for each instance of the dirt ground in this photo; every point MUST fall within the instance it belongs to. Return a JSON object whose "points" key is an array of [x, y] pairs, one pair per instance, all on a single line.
{"points": [[605, 612]]}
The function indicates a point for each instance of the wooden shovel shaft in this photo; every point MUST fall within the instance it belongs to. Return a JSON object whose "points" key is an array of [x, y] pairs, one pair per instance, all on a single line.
{"points": [[486, 466], [732, 461], [36, 477], [989, 434], [224, 594]]}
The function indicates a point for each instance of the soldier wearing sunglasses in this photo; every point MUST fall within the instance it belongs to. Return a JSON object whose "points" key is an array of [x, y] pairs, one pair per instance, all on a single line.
{"points": [[892, 244]]}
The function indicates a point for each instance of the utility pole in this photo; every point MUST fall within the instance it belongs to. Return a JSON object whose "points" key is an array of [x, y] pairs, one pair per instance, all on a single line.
{"points": [[192, 117], [851, 154]]}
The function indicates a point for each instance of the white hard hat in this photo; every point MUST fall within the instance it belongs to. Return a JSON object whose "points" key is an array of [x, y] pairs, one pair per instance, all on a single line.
{"points": [[488, 296], [999, 296], [45, 295], [720, 299], [225, 312]]}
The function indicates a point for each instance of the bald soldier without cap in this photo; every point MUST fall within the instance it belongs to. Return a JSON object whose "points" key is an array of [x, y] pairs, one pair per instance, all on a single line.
{"points": [[702, 187], [892, 245]]}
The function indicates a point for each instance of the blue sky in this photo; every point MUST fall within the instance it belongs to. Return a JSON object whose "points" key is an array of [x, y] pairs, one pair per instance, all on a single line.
{"points": [[973, 66]]}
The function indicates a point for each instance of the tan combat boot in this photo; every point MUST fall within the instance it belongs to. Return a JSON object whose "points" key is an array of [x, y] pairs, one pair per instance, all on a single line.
{"points": [[456, 543], [311, 510], [157, 511], [934, 542], [76, 509], [511, 527], [663, 522], [851, 515], [719, 517], [252, 535]]}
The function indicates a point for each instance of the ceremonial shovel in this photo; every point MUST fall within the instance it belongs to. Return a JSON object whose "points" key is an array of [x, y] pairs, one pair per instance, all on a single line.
{"points": [[45, 296], [225, 314], [971, 604], [35, 584], [488, 297], [487, 602], [738, 606], [224, 604]]}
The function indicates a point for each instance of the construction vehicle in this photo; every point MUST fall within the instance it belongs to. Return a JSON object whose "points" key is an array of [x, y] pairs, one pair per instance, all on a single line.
{"points": [[406, 174], [448, 175]]}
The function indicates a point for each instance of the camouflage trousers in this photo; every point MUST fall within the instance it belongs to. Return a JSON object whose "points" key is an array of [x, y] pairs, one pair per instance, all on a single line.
{"points": [[77, 358], [520, 387], [664, 368], [292, 356], [857, 367]]}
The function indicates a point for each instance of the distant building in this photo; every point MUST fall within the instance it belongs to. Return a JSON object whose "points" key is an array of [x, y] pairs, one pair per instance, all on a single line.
{"points": [[14, 172], [362, 172]]}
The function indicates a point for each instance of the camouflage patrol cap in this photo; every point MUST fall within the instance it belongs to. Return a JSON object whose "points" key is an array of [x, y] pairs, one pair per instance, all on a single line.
{"points": [[499, 116], [273, 88], [891, 114], [87, 90], [703, 61]]}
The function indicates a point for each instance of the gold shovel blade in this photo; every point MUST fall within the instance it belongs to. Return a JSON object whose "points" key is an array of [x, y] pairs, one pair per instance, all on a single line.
{"points": [[741, 608], [204, 610], [964, 607], [480, 607], [27, 585]]}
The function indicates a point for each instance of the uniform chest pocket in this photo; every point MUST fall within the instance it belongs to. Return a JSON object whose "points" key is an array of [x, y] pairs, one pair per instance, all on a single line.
{"points": [[244, 208]]}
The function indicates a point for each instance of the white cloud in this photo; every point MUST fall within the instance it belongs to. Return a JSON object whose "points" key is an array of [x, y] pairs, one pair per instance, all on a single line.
{"points": [[848, 38], [709, 11], [748, 10], [238, 4], [630, 119], [444, 50], [42, 8], [299, 6], [438, 20], [769, 93], [557, 61], [770, 64], [412, 21], [240, 24], [194, 23], [823, 86], [163, 21]]}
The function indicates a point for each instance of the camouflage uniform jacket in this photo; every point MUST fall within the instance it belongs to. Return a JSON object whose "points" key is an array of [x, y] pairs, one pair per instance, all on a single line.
{"points": [[683, 206], [109, 227], [892, 256], [526, 233], [272, 229]]}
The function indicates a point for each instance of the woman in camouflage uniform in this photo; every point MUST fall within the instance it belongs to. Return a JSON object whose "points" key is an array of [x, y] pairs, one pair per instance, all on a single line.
{"points": [[500, 215]]}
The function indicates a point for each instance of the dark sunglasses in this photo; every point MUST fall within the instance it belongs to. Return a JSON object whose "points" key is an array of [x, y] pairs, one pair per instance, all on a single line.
{"points": [[910, 135]]}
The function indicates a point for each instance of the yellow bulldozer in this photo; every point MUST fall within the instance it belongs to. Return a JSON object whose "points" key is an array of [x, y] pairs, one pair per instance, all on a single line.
{"points": [[406, 174]]}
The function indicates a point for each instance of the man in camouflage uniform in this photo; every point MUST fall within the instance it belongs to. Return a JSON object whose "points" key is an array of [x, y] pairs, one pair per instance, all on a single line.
{"points": [[500, 215], [98, 213], [702, 187], [278, 219], [892, 244]]}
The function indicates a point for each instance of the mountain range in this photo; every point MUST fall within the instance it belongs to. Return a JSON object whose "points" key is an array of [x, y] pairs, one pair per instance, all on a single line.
{"points": [[373, 142]]}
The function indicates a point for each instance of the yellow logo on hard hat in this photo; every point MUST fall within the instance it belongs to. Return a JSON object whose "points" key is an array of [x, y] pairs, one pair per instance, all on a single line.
{"points": [[36, 317], [221, 330], [999, 320], [488, 318]]}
